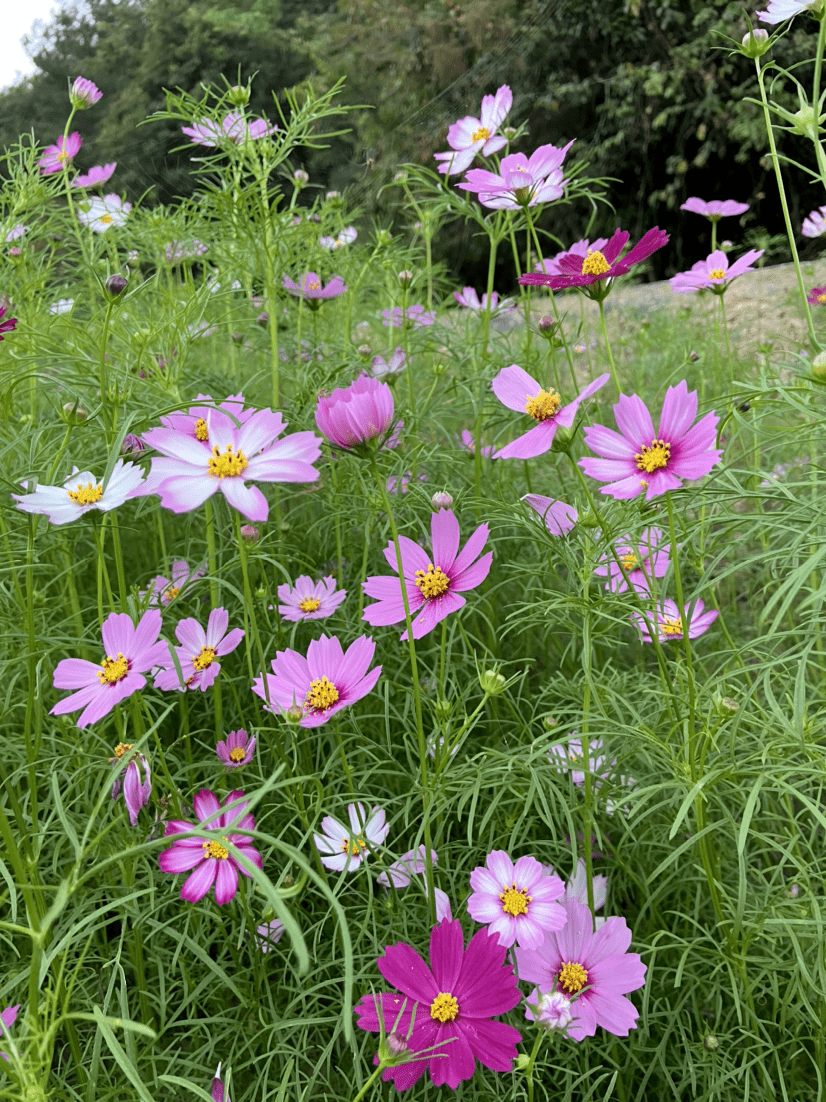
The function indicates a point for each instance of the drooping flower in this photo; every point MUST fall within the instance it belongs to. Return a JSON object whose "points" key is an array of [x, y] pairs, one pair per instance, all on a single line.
{"points": [[817, 296], [454, 1001], [636, 459], [521, 181], [162, 591], [559, 517], [8, 1017], [599, 265], [346, 237], [96, 176], [815, 224], [84, 93], [410, 864], [714, 273], [569, 757], [396, 362], [714, 209], [311, 288], [136, 791], [345, 848], [635, 562], [356, 414], [469, 136], [550, 265], [326, 681], [415, 316], [434, 584], [517, 390], [81, 492], [234, 128], [591, 968], [516, 900], [211, 862], [309, 600], [100, 214], [58, 157], [668, 622], [7, 325], [778, 10], [129, 652], [468, 298], [199, 652], [237, 749]]}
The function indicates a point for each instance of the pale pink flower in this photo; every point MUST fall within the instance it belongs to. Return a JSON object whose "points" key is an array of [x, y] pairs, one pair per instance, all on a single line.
{"points": [[269, 934], [234, 128], [568, 757], [309, 600], [468, 298], [346, 237], [414, 316], [635, 562], [778, 10], [467, 442], [84, 93], [342, 848], [396, 361], [516, 900], [198, 653], [815, 224], [714, 209], [81, 493], [311, 288], [100, 214], [162, 591], [558, 516], [410, 864], [56, 157], [714, 273], [469, 136], [521, 181], [96, 176], [7, 1018]]}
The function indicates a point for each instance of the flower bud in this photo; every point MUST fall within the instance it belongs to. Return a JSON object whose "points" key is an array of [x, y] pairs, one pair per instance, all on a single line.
{"points": [[755, 43], [365, 351], [819, 368], [492, 682], [249, 533], [793, 891], [806, 122], [523, 1061], [115, 285], [301, 178], [547, 327], [711, 1042], [237, 338], [294, 713], [333, 195], [74, 413], [441, 500], [563, 438], [553, 1010], [83, 94], [383, 237], [132, 445], [724, 705], [509, 132], [442, 708], [405, 278], [238, 95], [693, 356]]}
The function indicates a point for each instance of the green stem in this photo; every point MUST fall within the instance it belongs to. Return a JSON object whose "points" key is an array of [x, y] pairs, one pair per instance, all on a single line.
{"points": [[608, 344], [369, 1083]]}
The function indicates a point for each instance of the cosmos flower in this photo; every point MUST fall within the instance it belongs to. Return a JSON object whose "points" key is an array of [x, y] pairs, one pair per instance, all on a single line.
{"points": [[136, 791], [517, 390], [635, 562], [467, 443], [415, 316], [815, 224], [7, 325], [356, 414], [163, 590], [56, 158], [81, 492], [550, 265], [410, 864], [178, 251], [516, 899], [234, 128], [311, 288], [714, 273], [62, 306], [96, 176], [469, 136], [568, 757], [817, 296], [84, 93], [434, 584], [218, 1091], [346, 237], [521, 181], [468, 298], [309, 600], [198, 653], [453, 1001], [16, 232], [130, 651], [396, 362], [237, 749], [345, 848], [100, 214], [636, 459], [8, 1018], [558, 516], [778, 10], [211, 862], [669, 624], [269, 934], [326, 681], [714, 209], [599, 265]]}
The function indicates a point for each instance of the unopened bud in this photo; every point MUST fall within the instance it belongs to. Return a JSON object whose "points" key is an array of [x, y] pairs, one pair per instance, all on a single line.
{"points": [[551, 722], [365, 351], [84, 93], [547, 327], [239, 96], [237, 338], [115, 285], [132, 445], [755, 43], [523, 1061], [492, 682], [441, 500], [711, 1042], [509, 132], [725, 705], [332, 195], [442, 708], [301, 177], [563, 438], [405, 278], [249, 533], [294, 713], [589, 520], [819, 368], [693, 356], [552, 1011], [806, 122], [74, 413], [383, 237], [397, 1044]]}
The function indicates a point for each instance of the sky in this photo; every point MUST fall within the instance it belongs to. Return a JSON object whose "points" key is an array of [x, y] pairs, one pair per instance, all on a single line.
{"points": [[17, 21]]}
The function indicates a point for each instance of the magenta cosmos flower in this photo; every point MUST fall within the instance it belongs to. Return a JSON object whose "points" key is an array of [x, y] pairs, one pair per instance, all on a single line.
{"points": [[234, 128], [414, 316], [516, 900], [130, 651], [593, 969], [635, 562], [469, 136], [410, 864], [311, 288], [345, 848], [714, 209], [321, 684], [559, 517], [714, 273], [635, 459], [521, 181], [434, 584], [211, 862], [96, 176], [778, 10], [237, 749], [454, 1001], [188, 473], [81, 493], [669, 625], [817, 296], [8, 1017], [468, 298], [7, 325], [815, 224], [599, 264], [58, 157], [355, 414], [199, 652], [309, 600], [84, 93], [550, 265], [517, 390], [135, 780], [162, 591]]}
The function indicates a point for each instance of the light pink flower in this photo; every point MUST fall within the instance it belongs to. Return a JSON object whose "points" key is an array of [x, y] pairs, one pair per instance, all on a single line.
{"points": [[198, 653], [598, 265], [342, 848], [136, 791], [311, 288], [469, 136], [237, 749], [552, 1011], [396, 362], [517, 390], [408, 865], [356, 414], [714, 273], [84, 93], [96, 176], [234, 128], [521, 181], [639, 561], [443, 910], [81, 493], [415, 316], [550, 265], [467, 442], [815, 224], [778, 10], [714, 209], [559, 517], [178, 251], [269, 934], [100, 214], [516, 900], [56, 158], [433, 584], [636, 459], [7, 1018], [309, 600], [568, 757], [346, 237], [669, 625], [163, 590], [468, 298]]}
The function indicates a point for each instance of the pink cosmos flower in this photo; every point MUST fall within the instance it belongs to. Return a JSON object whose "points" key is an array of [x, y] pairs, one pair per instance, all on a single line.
{"points": [[342, 848], [517, 390], [130, 651], [311, 288], [211, 862], [7, 325], [226, 414], [396, 362], [415, 316], [714, 209], [568, 757], [198, 653], [234, 128], [178, 251], [81, 492], [321, 684], [84, 93], [636, 459], [8, 1018], [163, 590], [599, 264], [187, 474], [136, 791], [639, 561], [443, 910], [96, 176], [346, 237], [778, 10], [521, 181], [550, 265], [453, 1000], [56, 158], [669, 624], [815, 224], [467, 442], [817, 296], [356, 414], [517, 900], [269, 934], [434, 584], [577, 889], [559, 517], [309, 600], [592, 968], [469, 136], [468, 298], [410, 864], [714, 273], [100, 214], [16, 232], [237, 749]]}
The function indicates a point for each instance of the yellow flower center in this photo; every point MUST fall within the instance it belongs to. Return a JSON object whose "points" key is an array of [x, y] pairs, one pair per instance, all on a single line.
{"points": [[432, 582], [114, 669], [226, 464], [63, 157], [444, 1007], [629, 561], [654, 457], [204, 659], [172, 592], [543, 405], [595, 263], [314, 286], [716, 273], [86, 495], [821, 299], [310, 604], [671, 625], [106, 218], [322, 695], [480, 134], [572, 977], [238, 754], [122, 747], [201, 430], [353, 846], [515, 901], [216, 850]]}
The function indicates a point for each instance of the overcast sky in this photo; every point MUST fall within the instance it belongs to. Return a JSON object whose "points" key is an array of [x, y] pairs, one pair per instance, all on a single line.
{"points": [[17, 21]]}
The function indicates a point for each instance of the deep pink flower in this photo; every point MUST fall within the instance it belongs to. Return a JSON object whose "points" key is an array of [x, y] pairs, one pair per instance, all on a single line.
{"points": [[714, 209], [639, 561], [163, 590], [7, 325], [344, 848], [817, 296], [521, 181], [636, 459], [136, 789], [130, 651], [218, 1090], [558, 516], [55, 158], [550, 265], [714, 272], [396, 362], [309, 600], [454, 1000], [517, 390], [415, 316], [593, 969], [8, 1018], [84, 93], [211, 862], [434, 584], [198, 653], [668, 622], [96, 176], [311, 288], [234, 128], [356, 414], [599, 264], [469, 136], [468, 298], [408, 865], [815, 224], [321, 684], [516, 900], [236, 749]]}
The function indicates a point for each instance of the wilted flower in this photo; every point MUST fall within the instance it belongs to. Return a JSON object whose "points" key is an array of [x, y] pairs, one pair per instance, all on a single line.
{"points": [[397, 361], [817, 296], [714, 273], [669, 624], [343, 848], [58, 157], [469, 136], [136, 792], [83, 94], [714, 209], [96, 176], [521, 181], [356, 414], [236, 749]]}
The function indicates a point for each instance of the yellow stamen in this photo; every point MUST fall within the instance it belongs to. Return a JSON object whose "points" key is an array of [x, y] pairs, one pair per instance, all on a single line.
{"points": [[314, 285], [671, 625], [171, 593], [444, 1007], [105, 219], [480, 134], [595, 263], [216, 850], [432, 582], [86, 495], [205, 659], [716, 273], [114, 669], [543, 405], [515, 901], [322, 695], [238, 754], [201, 430], [62, 157], [310, 604], [821, 299], [572, 977], [629, 562], [353, 846], [655, 457], [226, 464], [122, 748]]}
